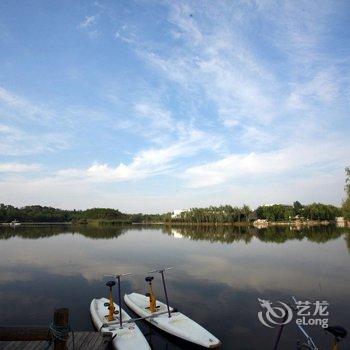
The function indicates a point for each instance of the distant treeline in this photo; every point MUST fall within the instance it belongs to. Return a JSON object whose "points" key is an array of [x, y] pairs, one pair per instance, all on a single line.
{"points": [[220, 214], [276, 212], [38, 213], [314, 211]]}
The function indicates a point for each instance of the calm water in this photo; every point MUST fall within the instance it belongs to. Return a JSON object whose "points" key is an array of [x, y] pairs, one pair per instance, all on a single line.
{"points": [[219, 276]]}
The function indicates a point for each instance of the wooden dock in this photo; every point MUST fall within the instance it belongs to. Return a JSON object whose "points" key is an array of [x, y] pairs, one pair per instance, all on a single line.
{"points": [[56, 337], [82, 340]]}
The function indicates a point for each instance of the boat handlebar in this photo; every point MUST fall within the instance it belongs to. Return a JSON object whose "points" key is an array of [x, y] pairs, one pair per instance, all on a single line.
{"points": [[161, 270]]}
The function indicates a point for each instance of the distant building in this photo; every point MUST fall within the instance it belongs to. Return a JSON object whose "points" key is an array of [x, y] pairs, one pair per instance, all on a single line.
{"points": [[261, 223], [340, 221], [176, 213]]}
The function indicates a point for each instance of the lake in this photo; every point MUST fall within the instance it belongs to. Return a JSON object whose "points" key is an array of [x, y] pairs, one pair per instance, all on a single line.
{"points": [[218, 277]]}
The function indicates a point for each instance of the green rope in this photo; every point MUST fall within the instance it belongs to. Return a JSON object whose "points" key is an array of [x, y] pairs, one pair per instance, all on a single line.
{"points": [[59, 333]]}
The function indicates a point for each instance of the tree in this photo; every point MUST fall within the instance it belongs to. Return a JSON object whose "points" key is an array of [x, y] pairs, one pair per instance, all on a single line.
{"points": [[297, 208], [346, 203], [276, 212]]}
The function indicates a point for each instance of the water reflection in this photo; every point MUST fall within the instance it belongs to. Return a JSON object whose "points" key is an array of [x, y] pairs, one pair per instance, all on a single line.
{"points": [[220, 272], [274, 234], [222, 234], [34, 232]]}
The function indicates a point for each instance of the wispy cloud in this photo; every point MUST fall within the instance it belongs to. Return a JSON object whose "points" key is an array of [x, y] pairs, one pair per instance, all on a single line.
{"points": [[89, 26], [16, 142], [299, 158], [24, 106], [322, 89], [147, 163], [157, 117], [216, 62], [186, 95], [18, 168], [215, 54]]}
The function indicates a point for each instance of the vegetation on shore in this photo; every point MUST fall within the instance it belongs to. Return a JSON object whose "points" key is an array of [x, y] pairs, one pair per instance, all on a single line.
{"points": [[225, 214], [216, 215], [346, 203]]}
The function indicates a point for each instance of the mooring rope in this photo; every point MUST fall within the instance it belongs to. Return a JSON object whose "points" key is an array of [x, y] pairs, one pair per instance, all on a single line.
{"points": [[59, 333]]}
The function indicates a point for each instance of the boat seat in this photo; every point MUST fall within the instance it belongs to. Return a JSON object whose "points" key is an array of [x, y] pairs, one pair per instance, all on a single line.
{"points": [[149, 279], [337, 331], [110, 284]]}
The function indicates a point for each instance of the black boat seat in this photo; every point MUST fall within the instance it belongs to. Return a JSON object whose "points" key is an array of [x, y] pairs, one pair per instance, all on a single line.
{"points": [[337, 331], [149, 279], [110, 284]]}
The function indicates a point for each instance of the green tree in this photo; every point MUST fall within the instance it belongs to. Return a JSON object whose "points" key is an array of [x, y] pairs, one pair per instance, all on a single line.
{"points": [[346, 203], [276, 212], [297, 208]]}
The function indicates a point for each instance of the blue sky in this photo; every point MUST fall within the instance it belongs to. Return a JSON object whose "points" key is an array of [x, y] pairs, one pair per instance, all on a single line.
{"points": [[159, 105]]}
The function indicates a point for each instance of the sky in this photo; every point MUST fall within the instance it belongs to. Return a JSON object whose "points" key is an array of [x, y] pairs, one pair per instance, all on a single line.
{"points": [[151, 106]]}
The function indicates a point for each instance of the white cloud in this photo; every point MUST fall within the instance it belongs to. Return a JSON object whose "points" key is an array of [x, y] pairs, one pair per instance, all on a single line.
{"points": [[18, 167], [211, 58], [214, 54], [150, 162], [126, 35], [24, 106], [322, 88], [89, 26], [299, 157], [50, 191], [16, 142], [254, 73], [181, 16], [158, 117]]}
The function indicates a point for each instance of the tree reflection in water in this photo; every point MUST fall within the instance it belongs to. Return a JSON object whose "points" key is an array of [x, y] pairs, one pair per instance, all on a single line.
{"points": [[222, 234]]}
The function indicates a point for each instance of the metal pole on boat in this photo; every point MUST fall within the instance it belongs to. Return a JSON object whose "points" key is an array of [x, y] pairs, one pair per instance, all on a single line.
{"points": [[164, 286], [119, 303], [117, 277], [165, 292]]}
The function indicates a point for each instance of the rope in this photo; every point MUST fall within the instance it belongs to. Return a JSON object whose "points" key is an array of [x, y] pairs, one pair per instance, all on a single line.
{"points": [[59, 333]]}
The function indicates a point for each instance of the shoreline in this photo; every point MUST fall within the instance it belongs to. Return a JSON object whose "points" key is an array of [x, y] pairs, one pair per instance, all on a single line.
{"points": [[308, 223]]}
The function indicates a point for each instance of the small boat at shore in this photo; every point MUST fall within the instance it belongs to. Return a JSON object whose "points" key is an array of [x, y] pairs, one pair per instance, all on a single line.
{"points": [[129, 337], [107, 316], [14, 223], [167, 318]]}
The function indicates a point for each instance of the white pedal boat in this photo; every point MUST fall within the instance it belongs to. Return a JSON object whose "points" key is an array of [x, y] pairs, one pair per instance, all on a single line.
{"points": [[178, 324], [127, 338]]}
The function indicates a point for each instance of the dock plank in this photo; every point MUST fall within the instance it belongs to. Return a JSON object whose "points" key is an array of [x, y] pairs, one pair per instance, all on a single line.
{"points": [[87, 341], [78, 337], [82, 341], [98, 343]]}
